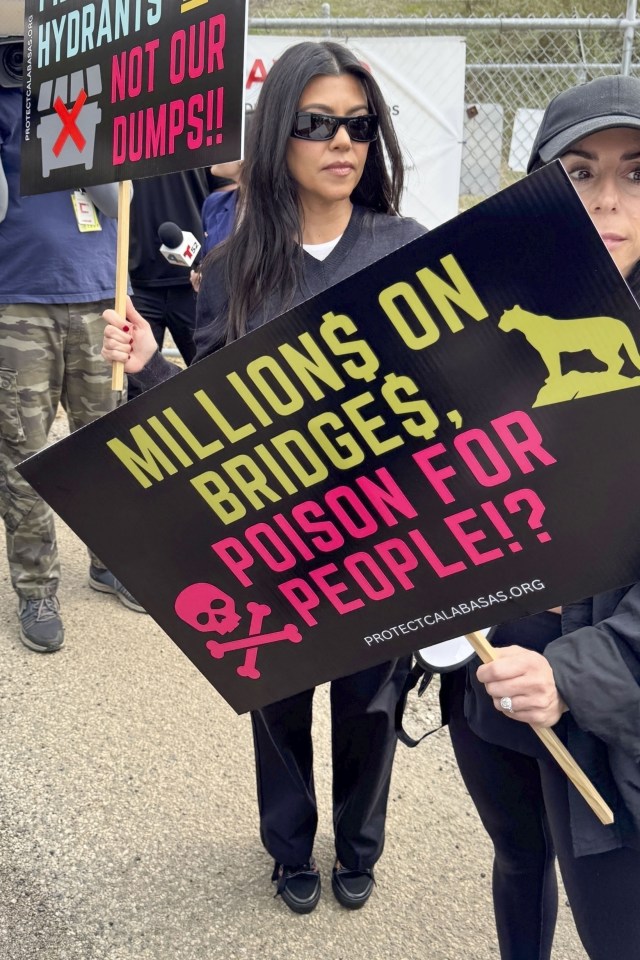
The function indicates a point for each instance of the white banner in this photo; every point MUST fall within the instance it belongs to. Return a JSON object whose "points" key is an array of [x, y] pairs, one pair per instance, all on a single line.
{"points": [[422, 79]]}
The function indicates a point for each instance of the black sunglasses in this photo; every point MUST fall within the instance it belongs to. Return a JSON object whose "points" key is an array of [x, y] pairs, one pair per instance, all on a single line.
{"points": [[322, 126]]}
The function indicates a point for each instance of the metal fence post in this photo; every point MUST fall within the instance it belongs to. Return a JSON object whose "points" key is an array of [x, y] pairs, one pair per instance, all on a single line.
{"points": [[326, 13], [629, 37]]}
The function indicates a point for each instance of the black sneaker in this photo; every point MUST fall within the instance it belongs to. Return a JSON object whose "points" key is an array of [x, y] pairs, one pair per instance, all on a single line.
{"points": [[351, 888], [299, 886], [40, 624], [104, 582]]}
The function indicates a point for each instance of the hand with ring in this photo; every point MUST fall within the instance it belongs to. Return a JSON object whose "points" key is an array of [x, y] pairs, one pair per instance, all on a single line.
{"points": [[522, 686]]}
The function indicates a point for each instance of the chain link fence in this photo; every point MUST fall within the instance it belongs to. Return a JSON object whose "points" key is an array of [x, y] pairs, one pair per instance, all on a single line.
{"points": [[514, 66]]}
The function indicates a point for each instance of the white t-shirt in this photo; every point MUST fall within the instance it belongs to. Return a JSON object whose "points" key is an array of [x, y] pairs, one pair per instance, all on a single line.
{"points": [[321, 250]]}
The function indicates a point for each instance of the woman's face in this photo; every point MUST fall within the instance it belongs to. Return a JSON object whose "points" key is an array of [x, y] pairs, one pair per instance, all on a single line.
{"points": [[328, 171], [605, 169]]}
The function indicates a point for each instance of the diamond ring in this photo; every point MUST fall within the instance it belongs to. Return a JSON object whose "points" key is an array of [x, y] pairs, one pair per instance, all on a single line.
{"points": [[506, 704]]}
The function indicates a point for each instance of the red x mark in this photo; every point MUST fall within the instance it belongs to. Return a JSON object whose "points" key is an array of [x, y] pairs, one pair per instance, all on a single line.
{"points": [[69, 126]]}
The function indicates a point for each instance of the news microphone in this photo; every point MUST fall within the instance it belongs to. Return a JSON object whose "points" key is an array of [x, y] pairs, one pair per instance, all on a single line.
{"points": [[178, 247]]}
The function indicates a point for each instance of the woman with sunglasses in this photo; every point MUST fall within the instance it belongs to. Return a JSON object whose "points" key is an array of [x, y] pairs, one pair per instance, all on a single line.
{"points": [[318, 202], [576, 668]]}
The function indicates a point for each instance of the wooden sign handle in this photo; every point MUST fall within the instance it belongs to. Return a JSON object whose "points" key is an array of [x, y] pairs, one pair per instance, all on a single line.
{"points": [[556, 748], [122, 270]]}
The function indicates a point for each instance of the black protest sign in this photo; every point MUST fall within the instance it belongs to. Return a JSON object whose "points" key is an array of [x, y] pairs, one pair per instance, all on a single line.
{"points": [[118, 90], [437, 444]]}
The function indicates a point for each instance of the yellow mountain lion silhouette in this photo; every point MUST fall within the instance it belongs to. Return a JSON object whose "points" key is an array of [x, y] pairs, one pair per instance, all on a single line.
{"points": [[604, 337]]}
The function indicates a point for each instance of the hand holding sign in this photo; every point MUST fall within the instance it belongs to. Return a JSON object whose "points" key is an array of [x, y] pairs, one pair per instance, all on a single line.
{"points": [[488, 654], [526, 678], [128, 341]]}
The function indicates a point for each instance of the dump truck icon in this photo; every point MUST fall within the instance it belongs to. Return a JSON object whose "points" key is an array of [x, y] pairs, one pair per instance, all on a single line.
{"points": [[68, 134]]}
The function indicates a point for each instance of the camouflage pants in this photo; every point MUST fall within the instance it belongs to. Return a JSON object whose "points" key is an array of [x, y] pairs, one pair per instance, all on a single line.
{"points": [[49, 354]]}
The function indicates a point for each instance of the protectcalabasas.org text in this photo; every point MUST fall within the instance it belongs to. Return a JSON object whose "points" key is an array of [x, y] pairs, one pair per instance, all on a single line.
{"points": [[462, 609]]}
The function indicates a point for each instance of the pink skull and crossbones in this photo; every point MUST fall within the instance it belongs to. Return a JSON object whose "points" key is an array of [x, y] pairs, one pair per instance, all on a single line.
{"points": [[208, 609]]}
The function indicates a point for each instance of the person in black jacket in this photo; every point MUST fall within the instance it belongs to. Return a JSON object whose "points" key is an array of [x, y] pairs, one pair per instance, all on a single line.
{"points": [[319, 201], [162, 291], [576, 669]]}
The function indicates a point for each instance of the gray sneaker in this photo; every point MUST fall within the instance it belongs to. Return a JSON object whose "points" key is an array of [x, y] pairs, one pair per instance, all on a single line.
{"points": [[104, 582], [40, 624]]}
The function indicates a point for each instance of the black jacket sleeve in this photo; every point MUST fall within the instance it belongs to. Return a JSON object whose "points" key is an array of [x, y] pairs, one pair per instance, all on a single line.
{"points": [[156, 371], [597, 671]]}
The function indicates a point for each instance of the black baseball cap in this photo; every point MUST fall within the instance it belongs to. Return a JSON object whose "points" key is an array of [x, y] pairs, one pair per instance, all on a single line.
{"points": [[575, 113]]}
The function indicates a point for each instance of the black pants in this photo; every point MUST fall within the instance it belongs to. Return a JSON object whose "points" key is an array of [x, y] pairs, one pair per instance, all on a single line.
{"points": [[170, 308], [363, 747], [523, 804]]}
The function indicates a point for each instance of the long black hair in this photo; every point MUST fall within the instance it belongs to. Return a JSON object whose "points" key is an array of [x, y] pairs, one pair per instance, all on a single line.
{"points": [[264, 252]]}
